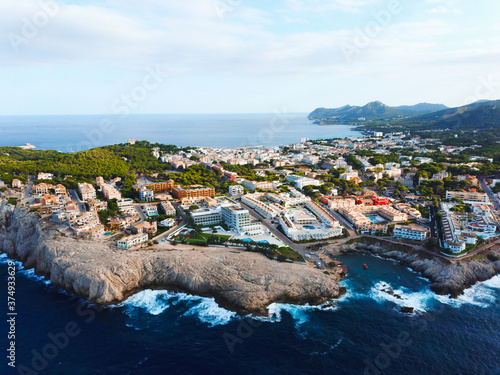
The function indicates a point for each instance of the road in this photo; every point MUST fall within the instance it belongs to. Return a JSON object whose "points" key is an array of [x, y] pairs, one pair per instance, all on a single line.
{"points": [[490, 193], [184, 220], [79, 203], [27, 192], [300, 248], [348, 226], [433, 222], [138, 209]]}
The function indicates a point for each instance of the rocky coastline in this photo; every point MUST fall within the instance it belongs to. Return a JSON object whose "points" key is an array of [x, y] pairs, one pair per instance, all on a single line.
{"points": [[238, 280], [447, 277]]}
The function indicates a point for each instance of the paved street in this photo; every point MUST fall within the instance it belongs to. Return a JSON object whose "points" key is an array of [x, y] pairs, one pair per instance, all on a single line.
{"points": [[79, 203], [433, 222], [490, 193], [300, 248], [138, 209]]}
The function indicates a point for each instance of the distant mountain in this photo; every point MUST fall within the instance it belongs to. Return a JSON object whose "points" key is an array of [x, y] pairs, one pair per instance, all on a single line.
{"points": [[479, 115], [372, 111], [422, 108]]}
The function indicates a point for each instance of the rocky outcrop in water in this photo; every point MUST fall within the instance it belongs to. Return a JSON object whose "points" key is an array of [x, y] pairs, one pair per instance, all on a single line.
{"points": [[447, 277], [241, 281]]}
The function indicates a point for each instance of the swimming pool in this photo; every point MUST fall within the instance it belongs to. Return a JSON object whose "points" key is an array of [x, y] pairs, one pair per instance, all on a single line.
{"points": [[309, 227], [250, 240], [375, 219]]}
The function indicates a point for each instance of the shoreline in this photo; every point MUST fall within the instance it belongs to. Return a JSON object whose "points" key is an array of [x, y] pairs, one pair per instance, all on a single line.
{"points": [[446, 278], [239, 281]]}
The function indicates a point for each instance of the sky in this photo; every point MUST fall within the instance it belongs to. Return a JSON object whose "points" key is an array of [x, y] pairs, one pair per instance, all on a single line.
{"points": [[243, 56]]}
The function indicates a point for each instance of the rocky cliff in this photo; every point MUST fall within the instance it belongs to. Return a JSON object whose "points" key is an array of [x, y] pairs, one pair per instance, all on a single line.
{"points": [[241, 281], [447, 277]]}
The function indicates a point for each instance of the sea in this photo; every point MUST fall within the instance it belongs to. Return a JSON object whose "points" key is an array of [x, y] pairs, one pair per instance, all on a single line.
{"points": [[77, 133], [158, 332], [164, 332]]}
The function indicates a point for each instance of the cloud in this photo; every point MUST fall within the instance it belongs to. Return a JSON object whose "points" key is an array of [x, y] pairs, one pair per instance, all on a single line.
{"points": [[191, 38], [319, 6], [444, 7]]}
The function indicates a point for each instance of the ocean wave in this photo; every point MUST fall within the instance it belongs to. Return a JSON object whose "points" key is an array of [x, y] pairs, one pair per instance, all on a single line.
{"points": [[209, 312], [299, 313], [350, 293], [22, 271], [4, 259], [419, 301], [155, 302], [329, 348], [493, 283], [30, 274], [152, 301], [482, 294]]}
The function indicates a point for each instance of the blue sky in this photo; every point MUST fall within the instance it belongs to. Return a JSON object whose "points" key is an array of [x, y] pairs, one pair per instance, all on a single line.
{"points": [[242, 56]]}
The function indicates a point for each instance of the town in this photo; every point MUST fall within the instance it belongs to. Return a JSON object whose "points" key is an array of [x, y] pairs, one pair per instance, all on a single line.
{"points": [[282, 201]]}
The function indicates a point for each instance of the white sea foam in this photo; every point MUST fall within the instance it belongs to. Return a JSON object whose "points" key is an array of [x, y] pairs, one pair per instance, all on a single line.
{"points": [[4, 259], [30, 274], [482, 294], [417, 300], [153, 301], [350, 292], [328, 349], [208, 311], [493, 283], [299, 313]]}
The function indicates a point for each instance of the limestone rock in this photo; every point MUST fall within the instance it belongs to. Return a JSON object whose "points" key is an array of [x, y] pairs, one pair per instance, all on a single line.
{"points": [[242, 281]]}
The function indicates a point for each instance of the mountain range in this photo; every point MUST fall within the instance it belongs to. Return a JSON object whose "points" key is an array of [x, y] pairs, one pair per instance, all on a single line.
{"points": [[483, 114], [372, 111]]}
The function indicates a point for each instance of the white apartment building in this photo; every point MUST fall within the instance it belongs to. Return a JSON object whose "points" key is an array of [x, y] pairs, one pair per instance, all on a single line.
{"points": [[269, 211], [168, 208], [110, 192], [146, 195], [335, 203], [150, 210], [236, 191], [466, 196], [87, 191], [132, 241], [300, 182], [207, 216], [287, 200], [299, 233], [45, 176], [325, 217], [411, 232], [125, 205], [253, 185], [235, 217], [239, 220]]}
